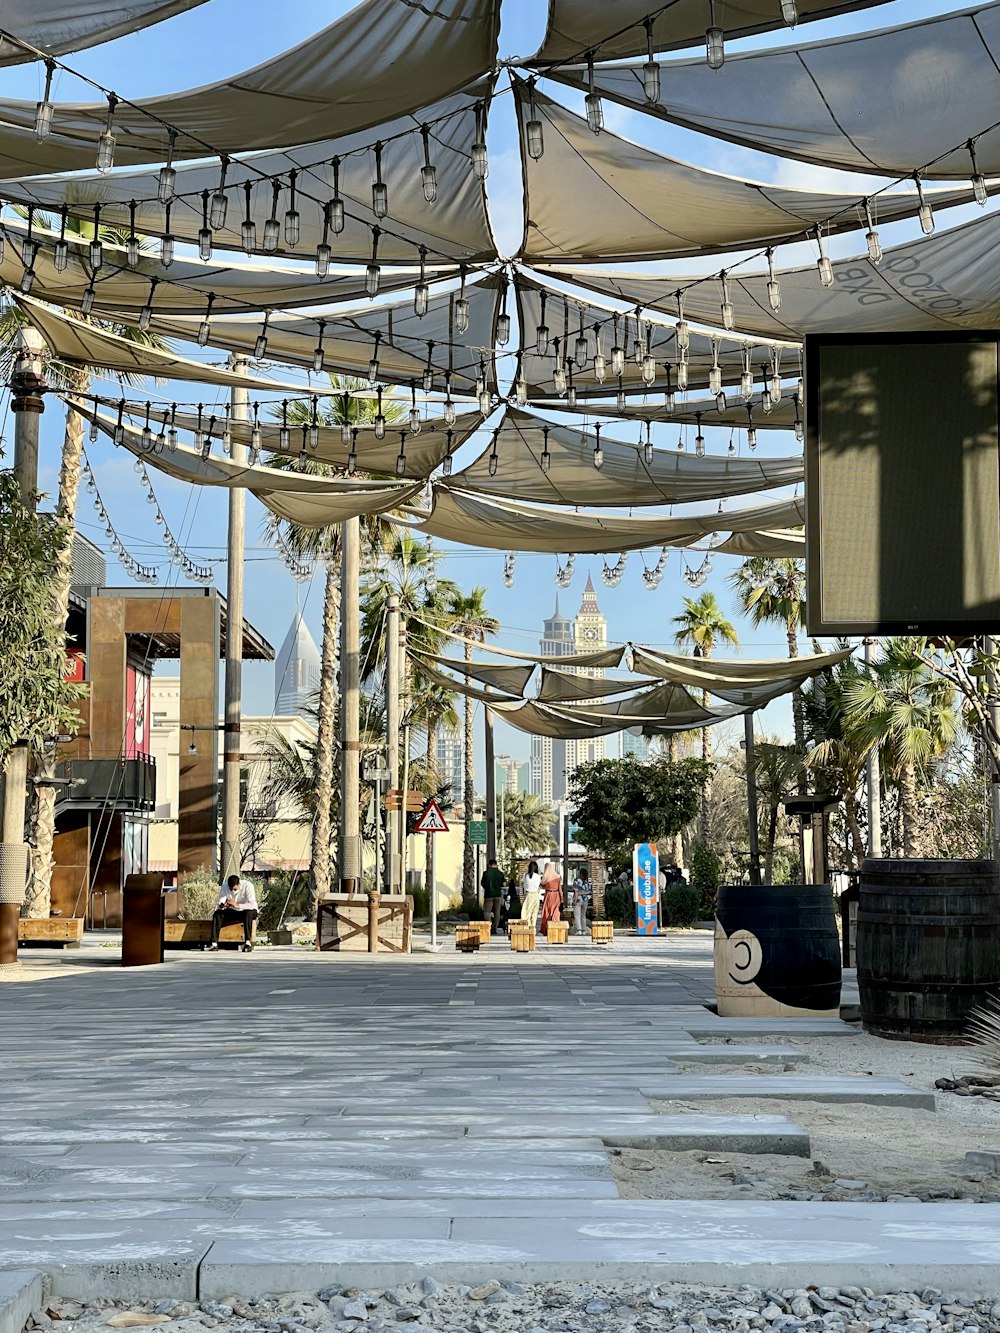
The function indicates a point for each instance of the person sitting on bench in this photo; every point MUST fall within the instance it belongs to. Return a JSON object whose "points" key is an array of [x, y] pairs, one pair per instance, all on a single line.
{"points": [[237, 906]]}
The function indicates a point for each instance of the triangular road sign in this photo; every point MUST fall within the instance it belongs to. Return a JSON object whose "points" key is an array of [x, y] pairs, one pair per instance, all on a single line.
{"points": [[431, 820]]}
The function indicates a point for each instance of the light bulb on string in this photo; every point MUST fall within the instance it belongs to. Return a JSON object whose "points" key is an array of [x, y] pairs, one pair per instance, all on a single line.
{"points": [[146, 438], [94, 429], [773, 286], [650, 70], [447, 461], [570, 386], [379, 416], [542, 329], [581, 348], [119, 435], [323, 251], [205, 327], [96, 246], [480, 162], [503, 319], [800, 432], [421, 293], [86, 300], [648, 369], [336, 205], [380, 191], [256, 436], [924, 211], [494, 459], [559, 373], [823, 265], [172, 429], [219, 206], [682, 374], [414, 410], [617, 351], [260, 346], [765, 398], [669, 397], [746, 378], [272, 228], [293, 220], [979, 191], [775, 377], [43, 109], [146, 313], [450, 416], [166, 180], [789, 12], [428, 172], [595, 111], [600, 360], [345, 419], [106, 140], [598, 451], [319, 356], [728, 313], [715, 370], [132, 240], [373, 273], [545, 459], [485, 397], [313, 432], [871, 235], [533, 135], [303, 456], [159, 444], [61, 253], [622, 401], [699, 439], [715, 40], [373, 362], [284, 434], [647, 447], [751, 431], [427, 379], [641, 341], [682, 330], [521, 390], [352, 457]]}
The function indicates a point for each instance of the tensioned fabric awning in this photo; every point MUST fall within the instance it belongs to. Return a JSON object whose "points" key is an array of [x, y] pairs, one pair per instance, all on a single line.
{"points": [[60, 26], [789, 542], [455, 224], [322, 511], [510, 678], [889, 102], [742, 681], [603, 198], [382, 60], [561, 687], [625, 478], [686, 411], [471, 520], [948, 280], [611, 31]]}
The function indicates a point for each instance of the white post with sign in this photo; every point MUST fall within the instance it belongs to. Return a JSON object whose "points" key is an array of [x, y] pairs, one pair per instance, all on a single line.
{"points": [[432, 821]]}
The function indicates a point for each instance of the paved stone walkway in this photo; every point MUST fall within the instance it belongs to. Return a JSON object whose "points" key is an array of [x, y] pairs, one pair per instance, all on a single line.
{"points": [[276, 1121]]}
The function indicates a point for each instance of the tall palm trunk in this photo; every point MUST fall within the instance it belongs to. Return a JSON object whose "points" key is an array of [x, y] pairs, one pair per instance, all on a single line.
{"points": [[908, 809], [321, 830], [677, 840], [706, 754], [772, 833], [38, 901], [857, 850], [798, 711], [468, 793]]}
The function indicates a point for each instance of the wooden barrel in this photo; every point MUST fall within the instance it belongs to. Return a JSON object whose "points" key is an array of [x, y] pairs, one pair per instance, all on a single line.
{"points": [[928, 946], [602, 932], [777, 951]]}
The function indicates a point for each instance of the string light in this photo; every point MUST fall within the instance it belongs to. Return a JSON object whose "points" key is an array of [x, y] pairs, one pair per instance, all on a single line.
{"points": [[373, 363], [380, 191], [751, 431], [545, 460], [746, 378], [617, 351], [559, 374], [542, 329], [43, 109], [284, 434], [480, 163], [447, 461], [352, 457], [421, 293], [800, 432], [595, 111], [647, 448], [146, 313], [924, 212], [503, 319], [715, 40], [336, 205], [106, 140], [463, 311], [790, 12], [650, 70], [682, 373], [581, 349], [483, 390], [94, 428], [600, 361], [871, 235], [29, 247], [775, 376], [773, 286], [401, 456], [699, 439], [508, 569], [172, 429], [96, 248], [669, 397], [205, 231], [379, 416], [570, 386], [494, 459], [428, 172], [166, 181], [682, 330], [319, 356], [86, 300], [598, 451], [293, 222], [205, 328], [449, 406], [345, 419], [978, 179], [715, 370], [132, 241], [414, 410], [60, 257], [260, 346], [373, 273], [119, 435], [323, 251], [272, 229], [621, 401], [533, 135], [220, 202], [256, 437], [166, 241], [521, 389], [823, 265]]}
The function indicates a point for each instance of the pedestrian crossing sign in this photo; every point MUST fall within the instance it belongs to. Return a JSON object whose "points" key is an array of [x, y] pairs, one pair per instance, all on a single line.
{"points": [[431, 820]]}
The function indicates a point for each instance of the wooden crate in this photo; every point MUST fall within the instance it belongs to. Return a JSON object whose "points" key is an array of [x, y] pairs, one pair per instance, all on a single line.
{"points": [[467, 936], [522, 937], [602, 932], [196, 934], [485, 930], [64, 932], [342, 923], [557, 932]]}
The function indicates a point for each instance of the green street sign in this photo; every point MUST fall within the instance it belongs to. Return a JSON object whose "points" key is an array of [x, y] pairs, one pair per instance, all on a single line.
{"points": [[477, 832]]}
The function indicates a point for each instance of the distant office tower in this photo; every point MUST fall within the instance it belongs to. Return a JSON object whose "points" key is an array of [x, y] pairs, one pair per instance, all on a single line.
{"points": [[296, 671], [512, 775], [590, 634], [548, 756], [449, 752], [638, 746]]}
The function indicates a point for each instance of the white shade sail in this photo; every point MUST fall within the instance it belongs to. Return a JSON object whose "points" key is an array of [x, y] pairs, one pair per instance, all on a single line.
{"points": [[783, 543], [471, 520], [603, 199], [60, 26], [889, 102], [71, 340], [405, 342], [625, 478], [612, 31], [738, 682], [560, 687], [506, 676], [455, 224], [948, 280], [382, 60], [309, 510], [686, 411]]}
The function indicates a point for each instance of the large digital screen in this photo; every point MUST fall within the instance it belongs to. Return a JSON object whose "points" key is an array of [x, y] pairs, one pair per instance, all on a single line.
{"points": [[902, 484]]}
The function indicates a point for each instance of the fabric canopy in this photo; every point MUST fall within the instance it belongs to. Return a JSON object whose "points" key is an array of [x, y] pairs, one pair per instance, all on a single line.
{"points": [[625, 478], [738, 682], [71, 340], [889, 102], [423, 452], [308, 510], [505, 676], [183, 287], [687, 412], [781, 544], [670, 710], [405, 341], [560, 687], [455, 224], [473, 521], [605, 198], [60, 26], [948, 280], [608, 658], [382, 60]]}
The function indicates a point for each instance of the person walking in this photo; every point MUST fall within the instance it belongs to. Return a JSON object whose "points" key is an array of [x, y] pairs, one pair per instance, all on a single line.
{"points": [[553, 901], [531, 888], [492, 885], [581, 901], [237, 906]]}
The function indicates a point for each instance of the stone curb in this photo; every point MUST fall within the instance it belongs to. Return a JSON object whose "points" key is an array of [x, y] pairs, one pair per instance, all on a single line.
{"points": [[20, 1293]]}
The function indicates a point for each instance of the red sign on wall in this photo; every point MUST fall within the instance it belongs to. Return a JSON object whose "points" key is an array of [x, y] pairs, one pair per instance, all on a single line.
{"points": [[76, 666]]}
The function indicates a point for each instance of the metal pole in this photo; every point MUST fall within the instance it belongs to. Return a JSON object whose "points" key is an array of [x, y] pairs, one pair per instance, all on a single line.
{"points": [[491, 787], [433, 892], [403, 848], [993, 701], [392, 720], [232, 862], [752, 801], [350, 684], [873, 787]]}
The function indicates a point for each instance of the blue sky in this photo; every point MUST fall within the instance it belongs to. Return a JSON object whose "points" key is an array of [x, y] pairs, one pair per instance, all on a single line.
{"points": [[216, 40]]}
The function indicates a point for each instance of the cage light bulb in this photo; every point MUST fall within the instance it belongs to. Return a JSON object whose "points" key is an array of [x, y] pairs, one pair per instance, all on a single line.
{"points": [[823, 265], [978, 179], [542, 339], [751, 438], [715, 40], [559, 379], [790, 12], [595, 111], [924, 212], [380, 427], [485, 402], [773, 286], [106, 140], [728, 313], [219, 205], [699, 444], [86, 300], [60, 256], [600, 367], [415, 421], [617, 360], [872, 237], [682, 376], [647, 452], [746, 385], [428, 172], [421, 299], [521, 391], [503, 329], [336, 204], [648, 369], [43, 109], [535, 139]]}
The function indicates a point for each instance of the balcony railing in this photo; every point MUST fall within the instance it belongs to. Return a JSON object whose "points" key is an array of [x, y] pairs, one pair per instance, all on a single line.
{"points": [[108, 783]]}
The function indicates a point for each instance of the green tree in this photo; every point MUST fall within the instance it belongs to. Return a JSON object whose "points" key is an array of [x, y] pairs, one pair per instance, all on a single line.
{"points": [[776, 769], [903, 707], [836, 751], [470, 619], [527, 823], [616, 803], [773, 591], [702, 625]]}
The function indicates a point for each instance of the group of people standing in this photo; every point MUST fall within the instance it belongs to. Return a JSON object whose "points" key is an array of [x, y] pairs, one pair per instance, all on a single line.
{"points": [[538, 889]]}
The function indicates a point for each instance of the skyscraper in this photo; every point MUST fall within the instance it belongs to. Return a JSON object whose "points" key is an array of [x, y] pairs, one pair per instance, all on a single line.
{"points": [[296, 670], [548, 756], [590, 633], [450, 759]]}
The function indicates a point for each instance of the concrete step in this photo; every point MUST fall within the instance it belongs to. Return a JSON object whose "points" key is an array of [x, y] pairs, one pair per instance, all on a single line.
{"points": [[791, 1087]]}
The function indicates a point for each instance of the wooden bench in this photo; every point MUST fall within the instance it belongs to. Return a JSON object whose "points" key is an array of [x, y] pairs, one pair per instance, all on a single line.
{"points": [[196, 934], [62, 932]]}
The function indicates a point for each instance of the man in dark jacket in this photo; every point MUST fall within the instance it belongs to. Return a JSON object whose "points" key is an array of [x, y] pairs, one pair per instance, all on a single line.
{"points": [[493, 885]]}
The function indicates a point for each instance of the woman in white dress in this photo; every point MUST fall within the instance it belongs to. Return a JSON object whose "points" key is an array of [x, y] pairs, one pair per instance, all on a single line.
{"points": [[531, 888]]}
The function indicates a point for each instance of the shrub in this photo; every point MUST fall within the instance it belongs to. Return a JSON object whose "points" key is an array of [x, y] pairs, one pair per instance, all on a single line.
{"points": [[619, 905], [200, 895], [421, 901], [472, 908], [706, 876], [680, 904]]}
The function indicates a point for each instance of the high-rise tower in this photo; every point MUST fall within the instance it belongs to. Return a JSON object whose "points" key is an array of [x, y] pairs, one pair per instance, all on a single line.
{"points": [[548, 756], [590, 633], [296, 670]]}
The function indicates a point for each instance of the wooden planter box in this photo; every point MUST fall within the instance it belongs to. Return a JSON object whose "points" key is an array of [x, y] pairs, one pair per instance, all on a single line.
{"points": [[196, 934], [63, 932], [522, 937], [342, 923], [282, 935], [485, 930], [467, 937], [558, 932], [602, 932]]}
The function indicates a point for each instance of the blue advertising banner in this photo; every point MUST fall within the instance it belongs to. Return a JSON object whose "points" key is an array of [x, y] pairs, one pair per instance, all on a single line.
{"points": [[645, 873]]}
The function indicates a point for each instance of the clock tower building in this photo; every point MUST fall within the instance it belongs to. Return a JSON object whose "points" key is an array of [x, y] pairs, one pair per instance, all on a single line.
{"points": [[590, 633]]}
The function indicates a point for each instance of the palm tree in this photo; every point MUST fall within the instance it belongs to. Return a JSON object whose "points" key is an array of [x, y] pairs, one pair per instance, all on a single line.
{"points": [[473, 622], [73, 379], [527, 823], [775, 770], [772, 591], [839, 754], [702, 624], [322, 546], [903, 707]]}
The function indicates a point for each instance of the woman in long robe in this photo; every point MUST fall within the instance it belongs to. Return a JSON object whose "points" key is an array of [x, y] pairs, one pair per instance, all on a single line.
{"points": [[552, 902]]}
